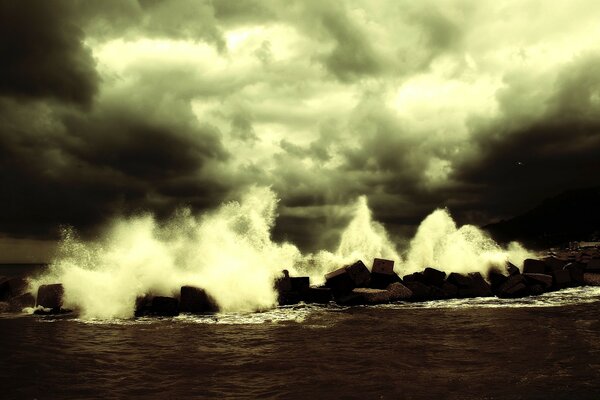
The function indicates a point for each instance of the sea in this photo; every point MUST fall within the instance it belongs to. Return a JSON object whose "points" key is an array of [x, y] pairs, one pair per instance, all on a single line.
{"points": [[544, 347]]}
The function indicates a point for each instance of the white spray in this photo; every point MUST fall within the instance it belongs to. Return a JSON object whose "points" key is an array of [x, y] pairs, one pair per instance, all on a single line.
{"points": [[230, 253]]}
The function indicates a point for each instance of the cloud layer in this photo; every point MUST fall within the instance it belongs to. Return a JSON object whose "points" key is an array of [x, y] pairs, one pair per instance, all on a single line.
{"points": [[118, 107]]}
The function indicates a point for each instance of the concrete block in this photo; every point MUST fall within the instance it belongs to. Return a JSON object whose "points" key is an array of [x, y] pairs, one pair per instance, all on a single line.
{"points": [[420, 291], [399, 292], [561, 278], [382, 266], [434, 277], [50, 296], [340, 282], [359, 274], [195, 300], [591, 279], [300, 284], [164, 306], [383, 280], [515, 286], [532, 266], [576, 271], [373, 296], [544, 280], [320, 295]]}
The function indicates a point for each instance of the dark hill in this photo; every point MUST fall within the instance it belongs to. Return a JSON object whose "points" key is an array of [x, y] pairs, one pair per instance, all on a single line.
{"points": [[570, 216]]}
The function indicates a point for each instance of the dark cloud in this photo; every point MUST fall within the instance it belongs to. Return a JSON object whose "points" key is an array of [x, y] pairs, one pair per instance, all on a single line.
{"points": [[43, 55]]}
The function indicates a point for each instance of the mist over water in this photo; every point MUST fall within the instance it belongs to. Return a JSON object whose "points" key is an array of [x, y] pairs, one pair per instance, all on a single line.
{"points": [[229, 252]]}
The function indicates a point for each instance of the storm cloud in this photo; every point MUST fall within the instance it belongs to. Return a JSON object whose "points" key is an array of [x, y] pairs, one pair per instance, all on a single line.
{"points": [[120, 107]]}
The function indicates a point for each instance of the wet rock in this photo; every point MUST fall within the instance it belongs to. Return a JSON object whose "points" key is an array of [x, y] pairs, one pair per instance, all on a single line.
{"points": [[339, 282], [195, 300], [496, 279], [18, 303], [593, 265], [479, 287], [532, 266], [381, 280], [50, 296], [449, 291], [399, 292], [300, 284], [414, 277], [143, 305], [383, 266], [554, 264], [458, 280], [350, 299], [433, 277], [4, 307], [591, 279], [511, 269], [359, 274], [164, 306], [420, 291], [11, 287], [283, 283], [561, 279], [515, 286], [373, 296], [544, 280], [320, 295], [576, 271], [535, 290]]}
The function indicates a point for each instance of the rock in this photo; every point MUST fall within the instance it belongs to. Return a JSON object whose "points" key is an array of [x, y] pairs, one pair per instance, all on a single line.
{"points": [[196, 300], [300, 284], [359, 274], [479, 287], [591, 279], [373, 296], [420, 291], [515, 286], [382, 266], [576, 271], [449, 290], [381, 280], [4, 307], [532, 266], [164, 306], [321, 295], [283, 283], [18, 303], [350, 299], [544, 280], [496, 279], [458, 280], [143, 305], [339, 282], [553, 263], [11, 287], [434, 277], [593, 265], [512, 269], [399, 292], [535, 290], [562, 278], [50, 296]]}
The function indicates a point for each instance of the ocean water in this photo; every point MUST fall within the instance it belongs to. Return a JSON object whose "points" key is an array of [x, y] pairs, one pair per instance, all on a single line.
{"points": [[546, 347]]}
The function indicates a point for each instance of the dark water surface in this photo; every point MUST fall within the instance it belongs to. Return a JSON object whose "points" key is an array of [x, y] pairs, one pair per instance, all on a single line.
{"points": [[546, 348]]}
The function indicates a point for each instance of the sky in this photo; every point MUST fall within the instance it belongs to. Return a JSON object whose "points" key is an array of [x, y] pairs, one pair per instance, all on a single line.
{"points": [[115, 108]]}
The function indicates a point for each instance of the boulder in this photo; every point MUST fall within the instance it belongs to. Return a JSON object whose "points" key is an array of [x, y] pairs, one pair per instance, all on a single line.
{"points": [[449, 291], [350, 299], [164, 306], [414, 277], [533, 266], [496, 279], [399, 292], [11, 287], [359, 274], [576, 271], [512, 269], [50, 296], [458, 280], [381, 280], [479, 287], [434, 277], [554, 264], [593, 265], [300, 284], [561, 278], [18, 303], [382, 266], [195, 300], [321, 295], [515, 286], [340, 282], [544, 280], [591, 279], [373, 296], [535, 290], [420, 291]]}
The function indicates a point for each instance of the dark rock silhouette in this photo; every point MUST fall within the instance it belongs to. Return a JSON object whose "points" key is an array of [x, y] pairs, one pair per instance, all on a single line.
{"points": [[195, 300]]}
